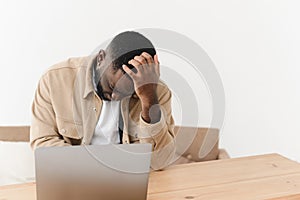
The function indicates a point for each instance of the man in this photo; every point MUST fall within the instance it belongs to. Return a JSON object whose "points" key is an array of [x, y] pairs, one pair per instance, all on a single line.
{"points": [[113, 97]]}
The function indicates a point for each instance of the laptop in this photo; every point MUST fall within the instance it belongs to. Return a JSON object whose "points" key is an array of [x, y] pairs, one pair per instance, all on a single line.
{"points": [[93, 172]]}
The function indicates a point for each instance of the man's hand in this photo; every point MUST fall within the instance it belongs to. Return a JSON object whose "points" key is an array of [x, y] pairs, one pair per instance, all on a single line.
{"points": [[145, 81]]}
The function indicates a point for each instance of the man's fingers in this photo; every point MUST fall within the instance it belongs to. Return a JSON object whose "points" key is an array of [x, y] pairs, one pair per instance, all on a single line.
{"points": [[141, 59], [128, 71], [136, 64], [148, 57], [156, 59], [157, 67]]}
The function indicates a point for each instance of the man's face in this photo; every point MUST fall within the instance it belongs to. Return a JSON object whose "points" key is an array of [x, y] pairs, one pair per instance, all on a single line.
{"points": [[115, 84]]}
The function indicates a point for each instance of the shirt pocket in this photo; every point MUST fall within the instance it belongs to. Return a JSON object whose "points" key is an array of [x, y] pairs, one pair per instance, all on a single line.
{"points": [[69, 128]]}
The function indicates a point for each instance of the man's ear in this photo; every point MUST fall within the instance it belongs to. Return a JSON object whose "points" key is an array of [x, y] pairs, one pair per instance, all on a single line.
{"points": [[101, 56]]}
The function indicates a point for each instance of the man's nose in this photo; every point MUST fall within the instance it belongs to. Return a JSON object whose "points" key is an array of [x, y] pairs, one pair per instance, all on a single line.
{"points": [[115, 96]]}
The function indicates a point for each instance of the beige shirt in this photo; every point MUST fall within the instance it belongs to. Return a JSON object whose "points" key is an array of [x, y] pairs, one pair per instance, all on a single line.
{"points": [[66, 109]]}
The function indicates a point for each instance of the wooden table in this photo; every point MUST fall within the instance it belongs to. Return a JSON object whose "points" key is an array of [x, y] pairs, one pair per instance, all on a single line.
{"points": [[257, 177]]}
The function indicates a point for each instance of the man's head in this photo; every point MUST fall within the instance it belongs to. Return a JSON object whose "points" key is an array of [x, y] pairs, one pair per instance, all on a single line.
{"points": [[113, 83]]}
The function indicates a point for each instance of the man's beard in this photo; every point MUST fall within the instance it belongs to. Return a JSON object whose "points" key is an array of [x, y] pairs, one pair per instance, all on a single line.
{"points": [[100, 92]]}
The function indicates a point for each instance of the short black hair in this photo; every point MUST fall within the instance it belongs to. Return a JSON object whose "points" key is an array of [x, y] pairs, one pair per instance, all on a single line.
{"points": [[126, 45]]}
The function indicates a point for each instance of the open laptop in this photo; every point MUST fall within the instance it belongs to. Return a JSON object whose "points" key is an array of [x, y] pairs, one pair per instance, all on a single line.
{"points": [[93, 172]]}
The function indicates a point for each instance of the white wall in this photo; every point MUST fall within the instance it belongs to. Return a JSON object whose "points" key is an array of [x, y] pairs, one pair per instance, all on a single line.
{"points": [[253, 43]]}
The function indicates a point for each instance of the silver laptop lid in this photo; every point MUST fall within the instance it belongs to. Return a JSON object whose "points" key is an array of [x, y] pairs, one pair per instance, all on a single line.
{"points": [[105, 172]]}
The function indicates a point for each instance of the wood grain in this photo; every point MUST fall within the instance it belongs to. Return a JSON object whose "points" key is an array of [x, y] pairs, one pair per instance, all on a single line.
{"points": [[257, 177]]}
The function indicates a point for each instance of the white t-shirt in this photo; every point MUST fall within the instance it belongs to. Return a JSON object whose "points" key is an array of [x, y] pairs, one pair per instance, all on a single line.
{"points": [[107, 130]]}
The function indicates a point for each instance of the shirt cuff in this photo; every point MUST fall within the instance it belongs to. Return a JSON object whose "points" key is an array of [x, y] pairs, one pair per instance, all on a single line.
{"points": [[148, 130]]}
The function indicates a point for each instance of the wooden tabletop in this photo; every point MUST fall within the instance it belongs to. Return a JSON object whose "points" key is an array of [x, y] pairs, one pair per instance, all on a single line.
{"points": [[268, 176]]}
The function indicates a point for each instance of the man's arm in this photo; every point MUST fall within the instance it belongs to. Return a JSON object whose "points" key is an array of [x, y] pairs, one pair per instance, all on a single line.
{"points": [[161, 133], [43, 130], [156, 120]]}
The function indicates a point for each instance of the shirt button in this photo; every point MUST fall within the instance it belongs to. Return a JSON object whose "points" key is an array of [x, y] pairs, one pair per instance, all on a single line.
{"points": [[63, 130], [95, 109]]}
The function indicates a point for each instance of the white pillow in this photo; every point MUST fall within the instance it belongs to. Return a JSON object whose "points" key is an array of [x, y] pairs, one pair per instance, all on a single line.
{"points": [[17, 163]]}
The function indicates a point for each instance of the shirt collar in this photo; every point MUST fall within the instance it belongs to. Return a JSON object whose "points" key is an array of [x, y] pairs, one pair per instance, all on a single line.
{"points": [[89, 78], [94, 79]]}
